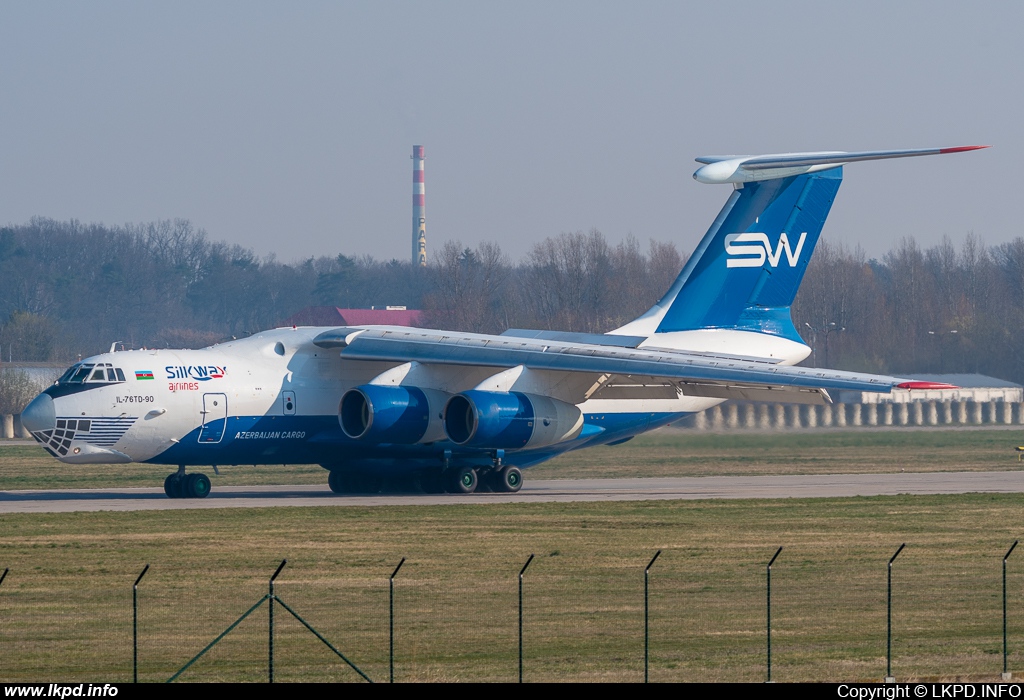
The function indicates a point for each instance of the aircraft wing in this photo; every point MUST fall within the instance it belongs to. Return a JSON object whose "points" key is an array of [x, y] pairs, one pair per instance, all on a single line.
{"points": [[695, 374]]}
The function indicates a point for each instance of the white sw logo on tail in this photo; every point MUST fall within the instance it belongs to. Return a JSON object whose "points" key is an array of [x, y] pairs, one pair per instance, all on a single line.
{"points": [[756, 248]]}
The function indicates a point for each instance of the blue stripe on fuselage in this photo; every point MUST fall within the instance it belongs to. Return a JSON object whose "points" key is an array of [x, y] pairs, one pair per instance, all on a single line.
{"points": [[320, 440]]}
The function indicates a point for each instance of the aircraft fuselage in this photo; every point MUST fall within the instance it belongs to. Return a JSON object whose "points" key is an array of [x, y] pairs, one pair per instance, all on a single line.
{"points": [[272, 398]]}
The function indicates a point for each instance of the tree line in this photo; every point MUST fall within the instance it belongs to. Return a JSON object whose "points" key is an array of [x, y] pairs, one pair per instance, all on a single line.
{"points": [[943, 309], [69, 289]]}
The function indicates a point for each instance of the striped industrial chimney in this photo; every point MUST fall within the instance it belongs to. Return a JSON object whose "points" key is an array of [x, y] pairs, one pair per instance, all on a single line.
{"points": [[419, 215]]}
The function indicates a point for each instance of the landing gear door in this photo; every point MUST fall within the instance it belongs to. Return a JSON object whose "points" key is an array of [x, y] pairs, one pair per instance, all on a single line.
{"points": [[215, 418]]}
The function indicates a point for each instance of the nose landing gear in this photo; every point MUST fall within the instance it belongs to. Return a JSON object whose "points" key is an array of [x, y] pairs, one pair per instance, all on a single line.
{"points": [[182, 485]]}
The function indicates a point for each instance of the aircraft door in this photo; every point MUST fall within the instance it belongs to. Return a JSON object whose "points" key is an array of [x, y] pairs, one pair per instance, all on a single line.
{"points": [[215, 418]]}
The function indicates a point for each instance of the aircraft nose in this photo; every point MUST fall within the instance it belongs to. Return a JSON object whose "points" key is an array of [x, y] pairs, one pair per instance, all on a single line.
{"points": [[40, 414]]}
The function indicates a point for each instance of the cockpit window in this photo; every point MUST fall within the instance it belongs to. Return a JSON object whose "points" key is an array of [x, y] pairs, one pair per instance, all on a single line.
{"points": [[92, 373], [81, 374]]}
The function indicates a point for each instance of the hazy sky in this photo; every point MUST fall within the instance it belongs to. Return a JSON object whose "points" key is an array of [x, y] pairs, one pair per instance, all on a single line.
{"points": [[287, 127]]}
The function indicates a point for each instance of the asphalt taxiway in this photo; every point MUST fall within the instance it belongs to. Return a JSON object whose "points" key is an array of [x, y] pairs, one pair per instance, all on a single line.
{"points": [[534, 491]]}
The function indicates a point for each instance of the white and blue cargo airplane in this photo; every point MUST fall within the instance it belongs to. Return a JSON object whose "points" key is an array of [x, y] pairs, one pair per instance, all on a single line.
{"points": [[381, 405]]}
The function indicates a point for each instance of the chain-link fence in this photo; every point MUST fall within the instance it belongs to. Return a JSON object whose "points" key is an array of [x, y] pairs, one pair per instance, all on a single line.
{"points": [[583, 619]]}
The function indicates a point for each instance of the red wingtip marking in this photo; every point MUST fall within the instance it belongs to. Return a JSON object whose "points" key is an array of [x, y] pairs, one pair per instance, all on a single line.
{"points": [[926, 385], [961, 149]]}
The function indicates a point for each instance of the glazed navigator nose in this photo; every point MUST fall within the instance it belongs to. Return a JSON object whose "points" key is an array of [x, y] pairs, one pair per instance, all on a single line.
{"points": [[39, 415]]}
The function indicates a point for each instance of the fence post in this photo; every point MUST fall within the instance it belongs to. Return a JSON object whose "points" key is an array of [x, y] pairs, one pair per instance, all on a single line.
{"points": [[1006, 673], [4, 575], [888, 628], [521, 572], [391, 619], [769, 607], [647, 575], [135, 625], [270, 627]]}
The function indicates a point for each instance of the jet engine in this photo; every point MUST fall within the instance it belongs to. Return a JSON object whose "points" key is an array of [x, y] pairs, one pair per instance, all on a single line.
{"points": [[393, 414], [496, 420]]}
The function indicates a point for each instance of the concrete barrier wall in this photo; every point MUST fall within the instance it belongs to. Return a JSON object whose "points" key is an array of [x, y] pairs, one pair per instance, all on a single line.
{"points": [[932, 412], [11, 427], [732, 415]]}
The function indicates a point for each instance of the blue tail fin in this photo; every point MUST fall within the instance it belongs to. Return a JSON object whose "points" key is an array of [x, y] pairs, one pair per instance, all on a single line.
{"points": [[746, 270]]}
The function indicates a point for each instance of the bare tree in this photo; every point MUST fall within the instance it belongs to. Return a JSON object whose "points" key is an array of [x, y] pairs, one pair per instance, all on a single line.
{"points": [[16, 390]]}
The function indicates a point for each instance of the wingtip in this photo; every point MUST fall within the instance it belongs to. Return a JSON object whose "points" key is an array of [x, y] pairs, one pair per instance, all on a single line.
{"points": [[961, 149], [917, 385]]}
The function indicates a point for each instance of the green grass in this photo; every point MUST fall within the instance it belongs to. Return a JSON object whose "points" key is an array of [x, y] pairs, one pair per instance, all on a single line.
{"points": [[66, 606]]}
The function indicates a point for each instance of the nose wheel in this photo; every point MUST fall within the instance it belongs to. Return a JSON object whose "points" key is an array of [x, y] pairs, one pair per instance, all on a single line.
{"points": [[181, 485]]}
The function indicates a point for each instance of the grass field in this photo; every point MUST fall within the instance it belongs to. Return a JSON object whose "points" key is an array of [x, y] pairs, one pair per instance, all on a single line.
{"points": [[65, 608]]}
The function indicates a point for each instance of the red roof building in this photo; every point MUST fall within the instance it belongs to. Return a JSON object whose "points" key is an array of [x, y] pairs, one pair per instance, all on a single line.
{"points": [[333, 316]]}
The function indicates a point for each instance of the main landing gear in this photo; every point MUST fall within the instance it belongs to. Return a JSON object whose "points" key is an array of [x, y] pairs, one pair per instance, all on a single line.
{"points": [[502, 479], [505, 479], [499, 477], [182, 485], [508, 479]]}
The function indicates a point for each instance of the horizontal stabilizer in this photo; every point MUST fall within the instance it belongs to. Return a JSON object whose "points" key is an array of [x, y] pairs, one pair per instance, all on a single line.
{"points": [[738, 169]]}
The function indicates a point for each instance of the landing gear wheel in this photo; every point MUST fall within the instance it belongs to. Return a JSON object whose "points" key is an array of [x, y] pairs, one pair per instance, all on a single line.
{"points": [[339, 482], [195, 486], [508, 479], [172, 486], [463, 480]]}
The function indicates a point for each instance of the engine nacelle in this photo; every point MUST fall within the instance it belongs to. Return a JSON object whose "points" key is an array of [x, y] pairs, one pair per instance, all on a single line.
{"points": [[393, 414], [513, 420]]}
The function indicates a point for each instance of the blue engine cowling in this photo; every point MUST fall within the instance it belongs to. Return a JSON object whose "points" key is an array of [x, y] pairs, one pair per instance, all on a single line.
{"points": [[513, 420], [391, 414]]}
